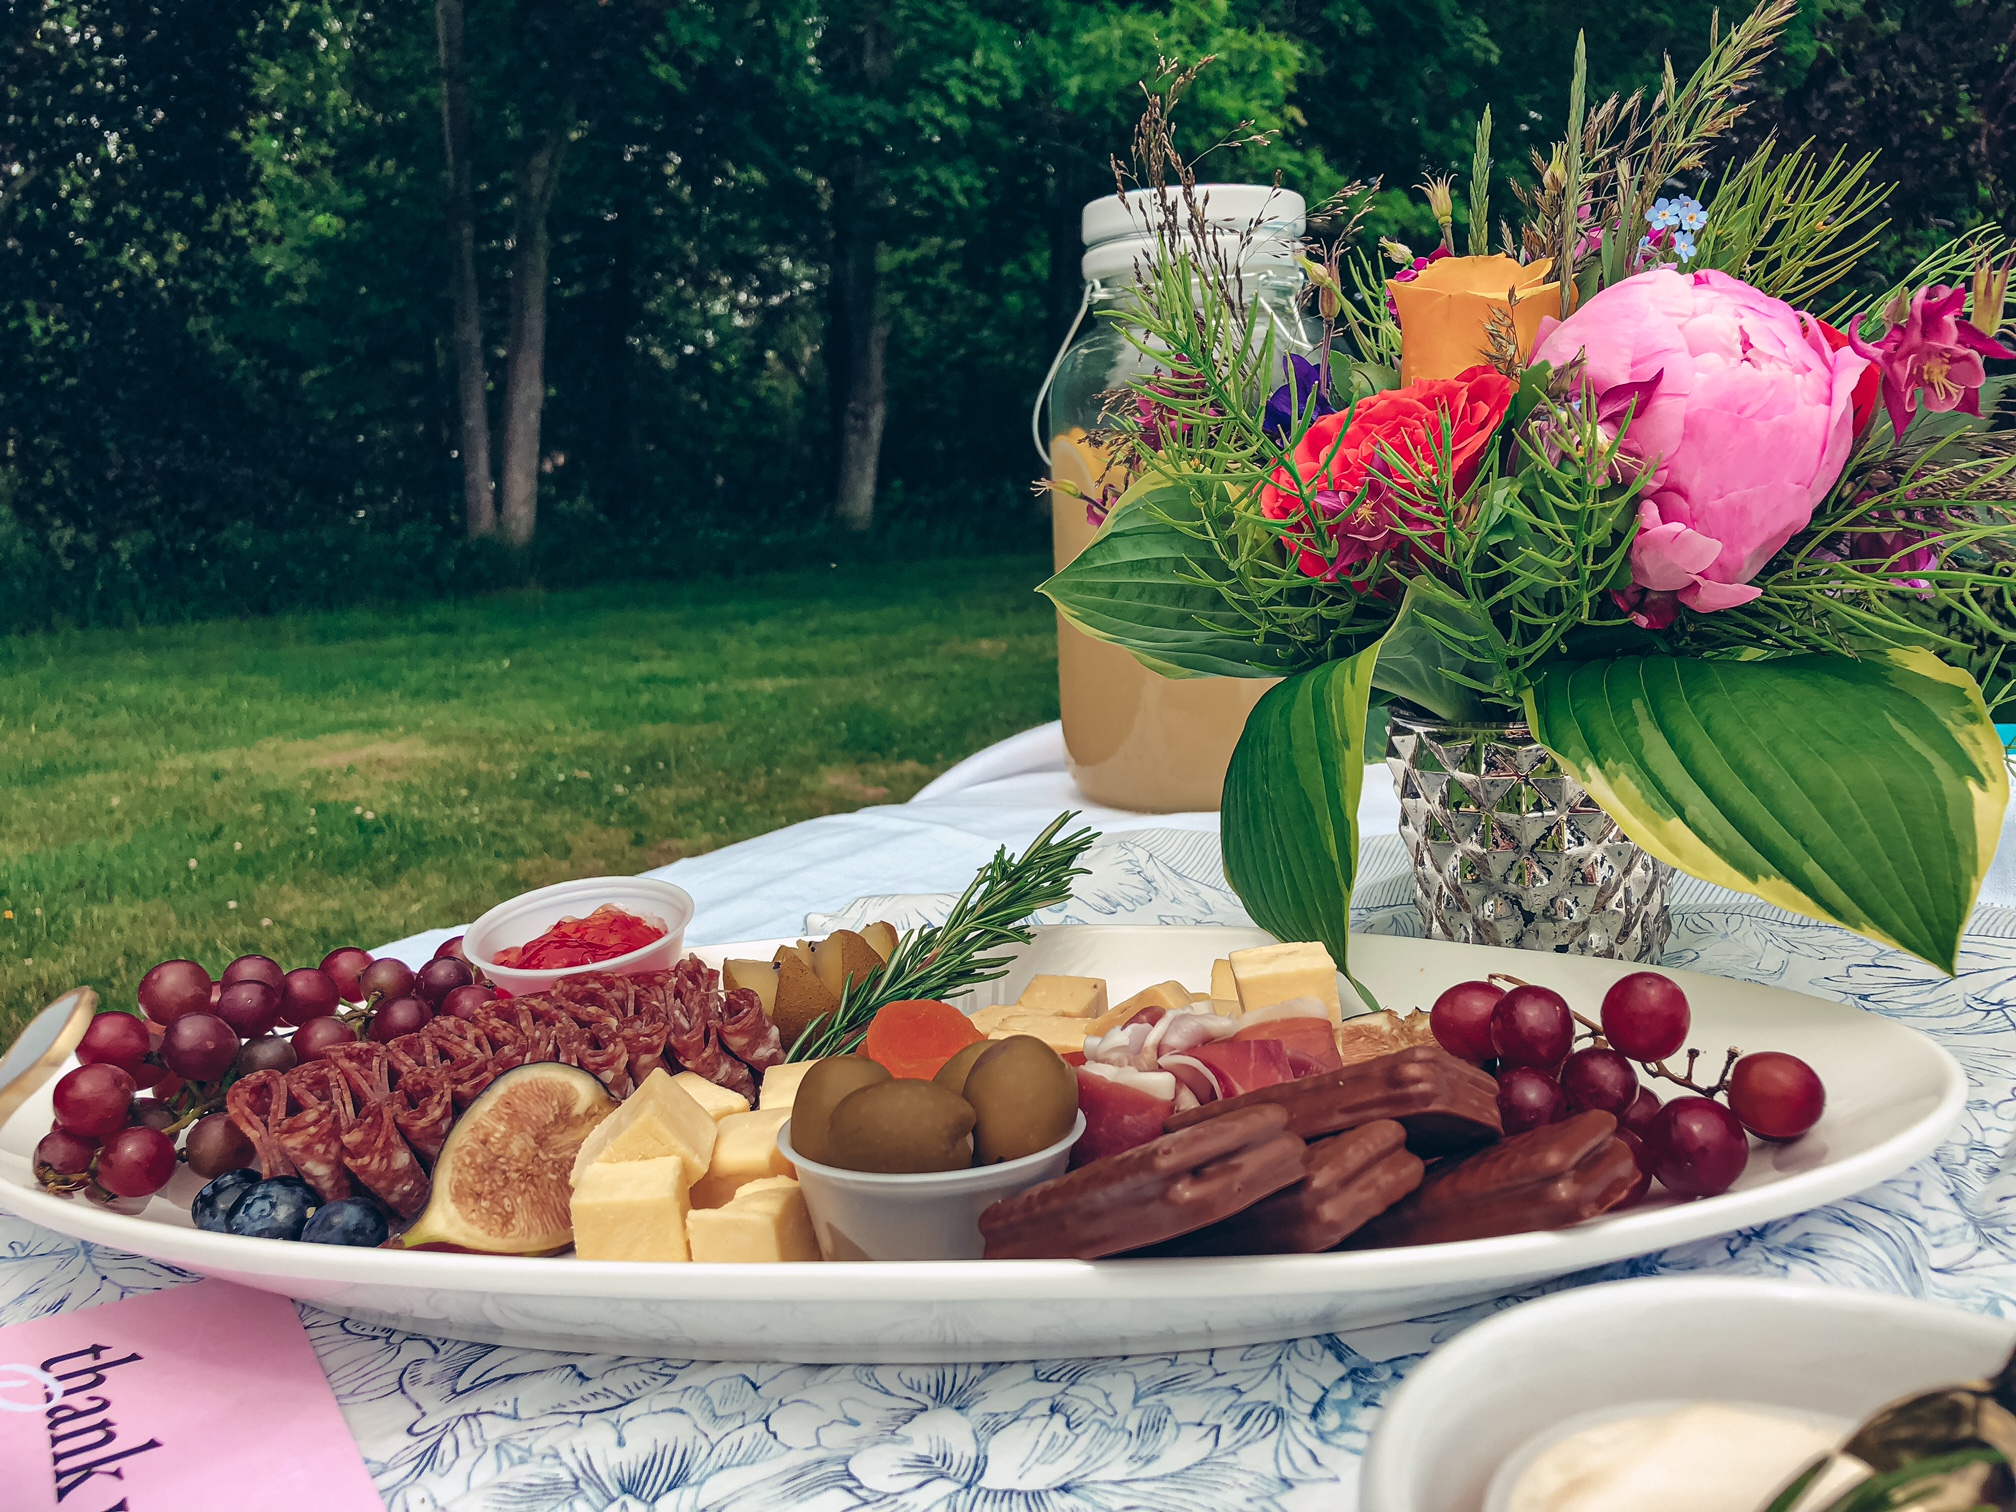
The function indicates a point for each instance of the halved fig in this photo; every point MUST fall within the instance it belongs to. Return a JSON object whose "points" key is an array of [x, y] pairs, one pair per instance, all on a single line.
{"points": [[503, 1184]]}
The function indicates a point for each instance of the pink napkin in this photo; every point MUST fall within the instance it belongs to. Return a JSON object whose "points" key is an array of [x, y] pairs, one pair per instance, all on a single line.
{"points": [[183, 1400]]}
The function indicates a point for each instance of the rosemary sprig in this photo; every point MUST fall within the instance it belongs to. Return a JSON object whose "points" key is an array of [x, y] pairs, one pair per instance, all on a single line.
{"points": [[938, 960]]}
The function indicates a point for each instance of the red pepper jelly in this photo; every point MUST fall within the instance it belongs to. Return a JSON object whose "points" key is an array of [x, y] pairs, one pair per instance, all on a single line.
{"points": [[605, 934]]}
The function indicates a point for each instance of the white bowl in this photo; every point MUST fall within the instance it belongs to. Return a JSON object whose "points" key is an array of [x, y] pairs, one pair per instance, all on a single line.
{"points": [[923, 1215], [529, 915], [1481, 1398]]}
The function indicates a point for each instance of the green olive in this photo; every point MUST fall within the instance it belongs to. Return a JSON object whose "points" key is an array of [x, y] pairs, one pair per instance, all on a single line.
{"points": [[1024, 1099], [900, 1125], [952, 1075], [823, 1087]]}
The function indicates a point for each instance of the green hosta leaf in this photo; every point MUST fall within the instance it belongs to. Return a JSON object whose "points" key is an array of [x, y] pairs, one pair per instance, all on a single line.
{"points": [[1289, 821], [1437, 633], [1867, 792], [1145, 585]]}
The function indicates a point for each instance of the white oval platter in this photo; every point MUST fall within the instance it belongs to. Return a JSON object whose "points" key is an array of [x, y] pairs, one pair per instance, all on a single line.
{"points": [[1893, 1095]]}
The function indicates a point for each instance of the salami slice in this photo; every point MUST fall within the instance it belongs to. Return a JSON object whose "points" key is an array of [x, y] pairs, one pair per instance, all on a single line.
{"points": [[313, 1137], [379, 1158], [747, 1032], [257, 1103]]}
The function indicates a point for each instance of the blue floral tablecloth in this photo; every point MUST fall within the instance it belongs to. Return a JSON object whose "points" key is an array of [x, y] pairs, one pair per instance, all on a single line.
{"points": [[448, 1425]]}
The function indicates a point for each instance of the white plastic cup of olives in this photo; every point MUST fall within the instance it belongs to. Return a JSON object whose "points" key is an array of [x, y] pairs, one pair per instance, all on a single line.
{"points": [[915, 1215]]}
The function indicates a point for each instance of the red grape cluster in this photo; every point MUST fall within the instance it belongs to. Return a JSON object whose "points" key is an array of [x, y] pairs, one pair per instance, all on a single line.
{"points": [[1695, 1145], [199, 1035]]}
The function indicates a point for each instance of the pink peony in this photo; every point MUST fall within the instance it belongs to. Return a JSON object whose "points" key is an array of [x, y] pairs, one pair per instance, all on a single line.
{"points": [[1745, 423]]}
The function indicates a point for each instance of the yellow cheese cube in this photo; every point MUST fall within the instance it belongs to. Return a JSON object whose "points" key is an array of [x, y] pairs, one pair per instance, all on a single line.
{"points": [[1270, 974], [780, 1085], [1223, 989], [1171, 995], [635, 1210], [746, 1151], [659, 1118], [766, 1222], [1064, 1035], [986, 1020], [1064, 996], [717, 1100]]}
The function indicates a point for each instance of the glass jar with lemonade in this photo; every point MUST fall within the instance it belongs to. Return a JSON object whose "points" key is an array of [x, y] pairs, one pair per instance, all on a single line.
{"points": [[1133, 738]]}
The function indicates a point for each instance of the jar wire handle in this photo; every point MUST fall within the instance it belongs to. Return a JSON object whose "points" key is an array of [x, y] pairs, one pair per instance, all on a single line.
{"points": [[1043, 393]]}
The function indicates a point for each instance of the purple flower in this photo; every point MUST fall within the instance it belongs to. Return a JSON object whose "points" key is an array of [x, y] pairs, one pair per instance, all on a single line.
{"points": [[1932, 353], [1303, 397]]}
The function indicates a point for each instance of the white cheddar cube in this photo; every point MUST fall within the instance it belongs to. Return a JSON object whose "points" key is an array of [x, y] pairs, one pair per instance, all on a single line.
{"points": [[659, 1118], [717, 1100], [765, 1223], [746, 1151], [780, 1085], [1223, 988], [1064, 996], [635, 1210], [1270, 974]]}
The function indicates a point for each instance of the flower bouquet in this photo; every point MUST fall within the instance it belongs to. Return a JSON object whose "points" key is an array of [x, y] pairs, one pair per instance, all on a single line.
{"points": [[1730, 549]]}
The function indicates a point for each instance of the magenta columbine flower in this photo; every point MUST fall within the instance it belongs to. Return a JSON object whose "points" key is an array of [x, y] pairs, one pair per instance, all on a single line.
{"points": [[1930, 353]]}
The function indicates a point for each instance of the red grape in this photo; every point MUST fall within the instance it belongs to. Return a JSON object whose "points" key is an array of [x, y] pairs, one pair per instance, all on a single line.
{"points": [[172, 989], [450, 947], [1531, 1026], [147, 1074], [215, 1145], [65, 1153], [388, 978], [342, 966], [136, 1162], [1698, 1148], [151, 1112], [1461, 1019], [401, 1015], [1775, 1095], [1599, 1079], [318, 1034], [200, 1048], [117, 1039], [167, 1086], [93, 1100], [441, 976], [463, 1002], [1528, 1098], [1645, 1016], [308, 993], [1644, 1182], [254, 968], [1638, 1117], [269, 1052], [251, 1007]]}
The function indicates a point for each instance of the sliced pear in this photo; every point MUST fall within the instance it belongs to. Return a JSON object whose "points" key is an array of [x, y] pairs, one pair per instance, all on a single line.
{"points": [[801, 999], [842, 957], [881, 937], [760, 977], [503, 1184]]}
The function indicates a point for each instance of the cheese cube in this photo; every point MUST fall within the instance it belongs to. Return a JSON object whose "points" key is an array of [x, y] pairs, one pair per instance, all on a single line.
{"points": [[1171, 995], [1064, 1035], [659, 1118], [746, 1151], [1270, 974], [780, 1084], [717, 1100], [1064, 996], [635, 1210], [1223, 989], [765, 1223], [987, 1020]]}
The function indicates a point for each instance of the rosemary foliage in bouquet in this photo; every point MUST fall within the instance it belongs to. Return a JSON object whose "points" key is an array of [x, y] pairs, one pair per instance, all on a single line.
{"points": [[1743, 565]]}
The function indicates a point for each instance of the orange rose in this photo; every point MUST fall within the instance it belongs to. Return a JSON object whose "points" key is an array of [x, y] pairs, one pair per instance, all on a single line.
{"points": [[1357, 468], [1445, 311]]}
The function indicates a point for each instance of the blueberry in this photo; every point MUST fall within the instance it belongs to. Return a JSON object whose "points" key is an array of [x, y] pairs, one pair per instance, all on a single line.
{"points": [[213, 1205], [351, 1221], [277, 1208]]}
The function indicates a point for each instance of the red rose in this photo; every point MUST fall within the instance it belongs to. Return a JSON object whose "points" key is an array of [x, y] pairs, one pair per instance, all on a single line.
{"points": [[1358, 468], [1863, 401]]}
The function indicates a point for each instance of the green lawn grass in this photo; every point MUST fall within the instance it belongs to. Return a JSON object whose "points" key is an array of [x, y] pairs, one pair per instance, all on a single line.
{"points": [[290, 785]]}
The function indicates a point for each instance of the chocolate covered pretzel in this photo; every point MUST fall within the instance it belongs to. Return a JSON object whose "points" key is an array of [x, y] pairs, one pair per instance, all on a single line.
{"points": [[1443, 1103], [1171, 1185], [1546, 1178]]}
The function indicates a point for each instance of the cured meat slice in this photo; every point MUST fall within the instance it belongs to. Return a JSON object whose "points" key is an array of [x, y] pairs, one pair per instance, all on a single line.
{"points": [[313, 1137], [424, 1113], [379, 1158], [747, 1032], [257, 1103]]}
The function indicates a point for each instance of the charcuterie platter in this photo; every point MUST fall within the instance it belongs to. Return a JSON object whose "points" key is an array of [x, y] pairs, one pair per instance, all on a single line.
{"points": [[1891, 1097]]}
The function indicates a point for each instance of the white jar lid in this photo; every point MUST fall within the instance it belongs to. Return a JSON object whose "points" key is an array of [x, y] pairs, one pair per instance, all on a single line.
{"points": [[1119, 230]]}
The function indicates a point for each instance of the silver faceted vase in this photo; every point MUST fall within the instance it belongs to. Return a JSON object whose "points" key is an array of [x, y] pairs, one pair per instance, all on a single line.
{"points": [[1509, 850]]}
